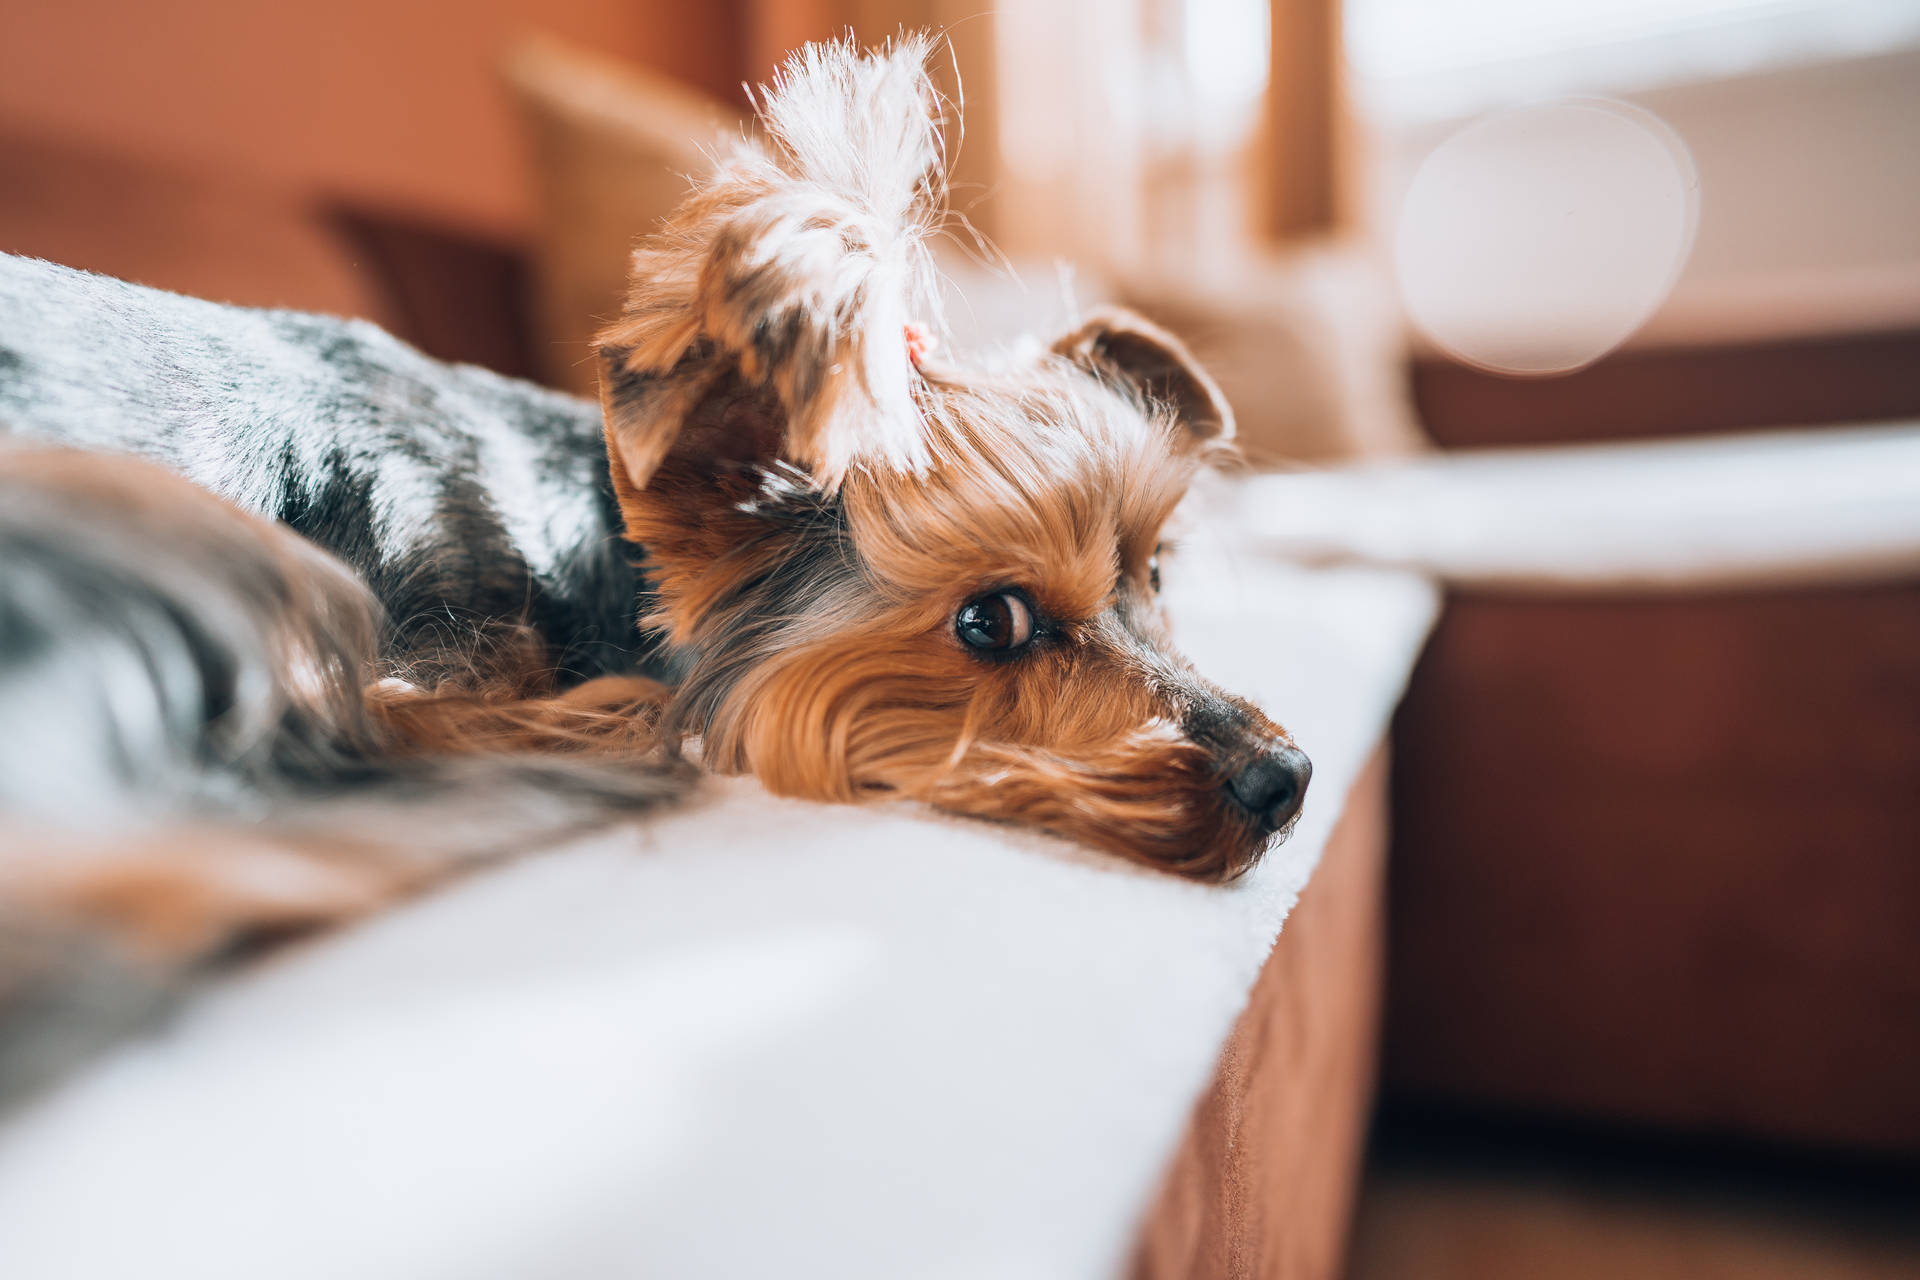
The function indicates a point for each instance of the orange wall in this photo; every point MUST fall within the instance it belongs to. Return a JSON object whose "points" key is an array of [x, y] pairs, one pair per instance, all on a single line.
{"points": [[391, 104]]}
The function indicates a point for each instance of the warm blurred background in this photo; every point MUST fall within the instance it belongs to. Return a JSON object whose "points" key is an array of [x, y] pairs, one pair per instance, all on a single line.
{"points": [[1654, 954]]}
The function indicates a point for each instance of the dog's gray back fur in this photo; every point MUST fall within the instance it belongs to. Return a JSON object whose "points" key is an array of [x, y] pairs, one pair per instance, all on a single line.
{"points": [[173, 668], [460, 496]]}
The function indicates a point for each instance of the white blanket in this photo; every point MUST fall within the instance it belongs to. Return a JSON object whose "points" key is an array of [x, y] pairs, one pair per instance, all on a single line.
{"points": [[1765, 509], [754, 1038]]}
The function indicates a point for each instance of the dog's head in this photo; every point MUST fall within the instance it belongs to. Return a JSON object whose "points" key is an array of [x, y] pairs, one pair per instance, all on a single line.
{"points": [[887, 574]]}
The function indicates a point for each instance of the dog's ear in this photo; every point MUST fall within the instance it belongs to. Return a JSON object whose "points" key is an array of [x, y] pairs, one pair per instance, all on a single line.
{"points": [[1121, 347], [768, 321]]}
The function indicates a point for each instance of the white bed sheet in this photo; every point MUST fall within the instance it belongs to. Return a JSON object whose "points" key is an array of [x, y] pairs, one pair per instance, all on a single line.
{"points": [[1765, 509], [753, 1038]]}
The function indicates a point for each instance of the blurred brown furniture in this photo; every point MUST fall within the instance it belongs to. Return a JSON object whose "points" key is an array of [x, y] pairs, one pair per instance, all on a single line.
{"points": [[213, 235], [612, 148], [1657, 861], [359, 158], [393, 105]]}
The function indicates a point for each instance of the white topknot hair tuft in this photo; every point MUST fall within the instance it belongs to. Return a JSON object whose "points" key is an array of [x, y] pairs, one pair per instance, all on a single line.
{"points": [[865, 128], [801, 261]]}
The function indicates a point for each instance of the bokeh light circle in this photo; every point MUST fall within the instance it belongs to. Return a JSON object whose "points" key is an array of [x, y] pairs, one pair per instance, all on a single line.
{"points": [[1537, 239]]}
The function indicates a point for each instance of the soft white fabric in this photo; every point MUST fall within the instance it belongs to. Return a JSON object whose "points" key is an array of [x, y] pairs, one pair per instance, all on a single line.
{"points": [[763, 1038], [755, 1038], [1774, 509]]}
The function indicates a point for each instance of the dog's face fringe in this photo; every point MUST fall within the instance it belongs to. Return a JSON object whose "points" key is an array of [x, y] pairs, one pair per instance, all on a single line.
{"points": [[818, 511], [825, 658]]}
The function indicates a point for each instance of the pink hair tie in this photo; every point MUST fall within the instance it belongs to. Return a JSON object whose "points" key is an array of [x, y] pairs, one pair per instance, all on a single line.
{"points": [[920, 343]]}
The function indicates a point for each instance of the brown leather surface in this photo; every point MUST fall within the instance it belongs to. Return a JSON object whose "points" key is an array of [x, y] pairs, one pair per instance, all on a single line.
{"points": [[229, 239], [1263, 1183], [1676, 391], [1659, 860], [456, 297], [177, 227]]}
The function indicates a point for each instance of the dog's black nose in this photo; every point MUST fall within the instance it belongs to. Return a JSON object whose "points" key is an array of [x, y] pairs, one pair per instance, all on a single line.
{"points": [[1272, 784]]}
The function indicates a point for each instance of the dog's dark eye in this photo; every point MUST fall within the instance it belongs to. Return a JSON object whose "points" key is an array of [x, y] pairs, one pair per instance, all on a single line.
{"points": [[1153, 573], [999, 622]]}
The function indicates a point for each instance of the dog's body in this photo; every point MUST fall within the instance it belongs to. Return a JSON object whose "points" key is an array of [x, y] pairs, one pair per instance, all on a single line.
{"points": [[458, 496], [189, 762], [862, 571]]}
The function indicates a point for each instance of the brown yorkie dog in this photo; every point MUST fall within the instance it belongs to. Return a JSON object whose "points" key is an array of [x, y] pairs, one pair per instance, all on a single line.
{"points": [[867, 572], [890, 575]]}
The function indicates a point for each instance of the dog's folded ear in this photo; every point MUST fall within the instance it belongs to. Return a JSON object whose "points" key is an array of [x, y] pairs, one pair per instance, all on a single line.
{"points": [[768, 320], [1121, 347]]}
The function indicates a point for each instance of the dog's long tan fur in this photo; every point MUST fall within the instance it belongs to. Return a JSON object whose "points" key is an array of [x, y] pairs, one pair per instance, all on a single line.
{"points": [[815, 504], [873, 574], [875, 500]]}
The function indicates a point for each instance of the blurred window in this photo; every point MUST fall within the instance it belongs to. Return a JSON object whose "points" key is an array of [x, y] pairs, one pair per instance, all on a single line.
{"points": [[1416, 60], [1794, 119]]}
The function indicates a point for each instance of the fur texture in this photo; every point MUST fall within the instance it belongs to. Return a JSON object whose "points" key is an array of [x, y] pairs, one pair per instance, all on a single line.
{"points": [[309, 676], [191, 767], [818, 507], [460, 497], [795, 267]]}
